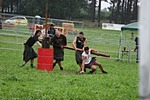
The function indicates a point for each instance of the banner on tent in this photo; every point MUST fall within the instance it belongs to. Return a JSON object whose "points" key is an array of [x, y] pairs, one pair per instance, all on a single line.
{"points": [[111, 26]]}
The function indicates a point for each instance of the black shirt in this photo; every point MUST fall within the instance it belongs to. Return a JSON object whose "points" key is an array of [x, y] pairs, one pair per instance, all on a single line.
{"points": [[136, 41], [59, 41], [51, 31], [30, 42], [80, 42]]}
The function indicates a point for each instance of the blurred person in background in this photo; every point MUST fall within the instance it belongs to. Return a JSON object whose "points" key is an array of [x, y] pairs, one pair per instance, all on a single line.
{"points": [[51, 30], [0, 22], [137, 49]]}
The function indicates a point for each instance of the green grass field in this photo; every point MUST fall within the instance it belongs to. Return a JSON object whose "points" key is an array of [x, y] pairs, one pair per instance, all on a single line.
{"points": [[16, 83]]}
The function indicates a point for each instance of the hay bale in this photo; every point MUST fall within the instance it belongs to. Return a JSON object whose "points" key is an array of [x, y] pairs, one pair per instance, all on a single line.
{"points": [[67, 25]]}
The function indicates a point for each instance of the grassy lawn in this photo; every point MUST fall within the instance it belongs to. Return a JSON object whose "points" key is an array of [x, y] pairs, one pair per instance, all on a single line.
{"points": [[16, 83]]}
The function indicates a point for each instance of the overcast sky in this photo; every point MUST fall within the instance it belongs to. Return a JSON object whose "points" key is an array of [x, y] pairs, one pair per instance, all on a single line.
{"points": [[104, 5]]}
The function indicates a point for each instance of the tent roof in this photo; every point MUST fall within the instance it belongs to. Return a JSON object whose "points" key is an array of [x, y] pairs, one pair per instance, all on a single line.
{"points": [[131, 26]]}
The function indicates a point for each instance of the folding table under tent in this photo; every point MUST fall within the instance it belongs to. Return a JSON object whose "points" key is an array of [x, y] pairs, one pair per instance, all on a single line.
{"points": [[131, 27]]}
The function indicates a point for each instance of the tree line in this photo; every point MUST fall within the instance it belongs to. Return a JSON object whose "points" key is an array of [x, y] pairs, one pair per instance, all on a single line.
{"points": [[124, 11], [120, 11]]}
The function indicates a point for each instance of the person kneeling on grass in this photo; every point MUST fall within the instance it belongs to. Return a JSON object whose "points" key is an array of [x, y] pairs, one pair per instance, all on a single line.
{"points": [[29, 53], [88, 62]]}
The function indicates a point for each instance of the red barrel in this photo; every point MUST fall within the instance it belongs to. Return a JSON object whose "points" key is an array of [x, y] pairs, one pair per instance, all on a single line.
{"points": [[45, 59]]}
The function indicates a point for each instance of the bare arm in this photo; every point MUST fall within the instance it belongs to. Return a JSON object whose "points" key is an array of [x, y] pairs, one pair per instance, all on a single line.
{"points": [[39, 44], [74, 43], [85, 42]]}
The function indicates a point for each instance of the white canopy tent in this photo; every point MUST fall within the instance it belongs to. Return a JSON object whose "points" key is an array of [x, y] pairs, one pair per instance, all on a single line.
{"points": [[131, 27]]}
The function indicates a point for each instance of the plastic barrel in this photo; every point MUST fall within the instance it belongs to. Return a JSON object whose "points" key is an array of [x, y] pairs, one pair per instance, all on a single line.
{"points": [[45, 59]]}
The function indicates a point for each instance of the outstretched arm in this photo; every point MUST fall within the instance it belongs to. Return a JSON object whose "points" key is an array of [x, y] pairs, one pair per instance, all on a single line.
{"points": [[39, 44], [85, 42]]}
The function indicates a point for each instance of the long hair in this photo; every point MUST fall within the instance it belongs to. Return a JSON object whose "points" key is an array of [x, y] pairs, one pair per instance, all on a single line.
{"points": [[37, 31]]}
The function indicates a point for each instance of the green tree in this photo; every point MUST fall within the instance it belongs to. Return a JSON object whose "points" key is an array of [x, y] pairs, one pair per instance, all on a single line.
{"points": [[123, 11], [99, 11]]}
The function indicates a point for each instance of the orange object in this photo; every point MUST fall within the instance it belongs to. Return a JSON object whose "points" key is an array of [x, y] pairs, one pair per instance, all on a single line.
{"points": [[45, 59]]}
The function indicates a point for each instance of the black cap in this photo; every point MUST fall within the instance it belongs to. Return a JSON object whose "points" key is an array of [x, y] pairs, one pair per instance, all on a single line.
{"points": [[81, 33], [52, 24]]}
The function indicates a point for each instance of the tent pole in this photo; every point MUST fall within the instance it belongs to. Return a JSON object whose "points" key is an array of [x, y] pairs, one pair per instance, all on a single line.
{"points": [[119, 48]]}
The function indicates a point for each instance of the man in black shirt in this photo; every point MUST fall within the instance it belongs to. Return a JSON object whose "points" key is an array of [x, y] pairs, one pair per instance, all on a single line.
{"points": [[78, 44], [51, 30], [58, 42], [29, 53]]}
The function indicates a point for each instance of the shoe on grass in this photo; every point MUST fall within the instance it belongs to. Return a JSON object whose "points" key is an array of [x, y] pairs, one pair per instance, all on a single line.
{"points": [[22, 65], [90, 72], [32, 66], [104, 72], [61, 68]]}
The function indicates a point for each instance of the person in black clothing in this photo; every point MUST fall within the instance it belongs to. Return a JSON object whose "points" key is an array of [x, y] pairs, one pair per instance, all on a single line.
{"points": [[51, 30], [137, 49], [29, 53], [78, 44], [0, 22], [58, 42]]}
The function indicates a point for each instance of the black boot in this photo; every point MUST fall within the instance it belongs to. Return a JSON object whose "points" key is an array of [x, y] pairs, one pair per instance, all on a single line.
{"points": [[61, 68], [104, 72], [90, 72], [32, 66], [22, 65]]}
